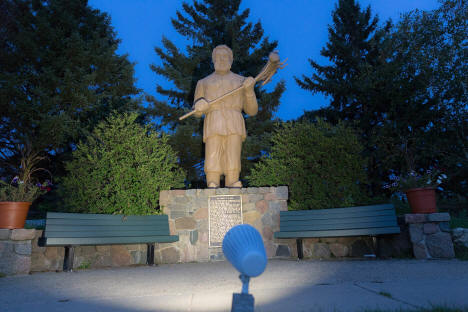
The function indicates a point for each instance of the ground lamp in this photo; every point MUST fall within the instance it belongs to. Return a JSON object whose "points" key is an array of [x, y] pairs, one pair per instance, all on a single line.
{"points": [[243, 247]]}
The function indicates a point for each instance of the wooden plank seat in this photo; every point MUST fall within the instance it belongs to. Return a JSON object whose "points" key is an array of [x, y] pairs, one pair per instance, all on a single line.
{"points": [[337, 222], [77, 229]]}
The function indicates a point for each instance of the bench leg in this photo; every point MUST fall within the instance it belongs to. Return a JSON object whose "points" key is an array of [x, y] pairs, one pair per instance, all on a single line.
{"points": [[375, 245], [300, 254], [68, 260], [150, 254]]}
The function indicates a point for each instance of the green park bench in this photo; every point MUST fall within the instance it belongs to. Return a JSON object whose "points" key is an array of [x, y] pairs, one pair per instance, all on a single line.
{"points": [[77, 229], [338, 222]]}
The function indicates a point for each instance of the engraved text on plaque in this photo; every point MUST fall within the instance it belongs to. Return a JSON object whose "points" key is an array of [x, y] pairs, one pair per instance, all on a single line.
{"points": [[225, 211]]}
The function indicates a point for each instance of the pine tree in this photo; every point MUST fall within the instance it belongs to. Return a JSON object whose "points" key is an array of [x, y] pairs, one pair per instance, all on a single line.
{"points": [[355, 44], [206, 24], [60, 75], [356, 47]]}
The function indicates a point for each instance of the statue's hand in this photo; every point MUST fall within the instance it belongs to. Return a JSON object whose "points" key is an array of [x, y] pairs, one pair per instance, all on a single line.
{"points": [[201, 105], [248, 83]]}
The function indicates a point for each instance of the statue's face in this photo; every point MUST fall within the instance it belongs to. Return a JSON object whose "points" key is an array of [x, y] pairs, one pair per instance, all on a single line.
{"points": [[222, 61]]}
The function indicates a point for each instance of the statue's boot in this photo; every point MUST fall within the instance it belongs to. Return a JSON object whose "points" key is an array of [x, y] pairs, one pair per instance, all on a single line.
{"points": [[212, 179], [232, 179]]}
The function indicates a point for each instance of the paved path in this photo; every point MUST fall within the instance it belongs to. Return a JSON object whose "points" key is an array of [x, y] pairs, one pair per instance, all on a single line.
{"points": [[286, 285]]}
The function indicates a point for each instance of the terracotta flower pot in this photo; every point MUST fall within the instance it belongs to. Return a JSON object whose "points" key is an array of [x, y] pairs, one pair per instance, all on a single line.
{"points": [[13, 214], [422, 200]]}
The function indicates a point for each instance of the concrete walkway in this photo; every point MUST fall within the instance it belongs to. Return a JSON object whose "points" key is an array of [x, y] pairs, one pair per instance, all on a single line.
{"points": [[286, 285]]}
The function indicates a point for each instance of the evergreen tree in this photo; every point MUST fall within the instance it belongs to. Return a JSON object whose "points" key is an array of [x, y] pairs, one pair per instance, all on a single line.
{"points": [[356, 47], [60, 75], [206, 24]]}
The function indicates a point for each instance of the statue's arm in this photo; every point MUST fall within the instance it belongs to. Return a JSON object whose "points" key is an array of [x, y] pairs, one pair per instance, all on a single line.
{"points": [[199, 93], [250, 100]]}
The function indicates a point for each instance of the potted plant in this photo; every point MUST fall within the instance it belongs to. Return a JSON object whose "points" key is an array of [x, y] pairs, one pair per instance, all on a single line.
{"points": [[419, 189], [15, 199]]}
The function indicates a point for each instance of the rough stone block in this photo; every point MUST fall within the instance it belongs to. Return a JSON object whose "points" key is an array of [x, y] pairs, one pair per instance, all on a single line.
{"points": [[170, 255], [253, 198], [23, 248], [339, 250], [282, 192], [222, 191], [103, 249], [460, 237], [267, 233], [191, 192], [252, 190], [248, 207], [178, 192], [234, 191], [438, 217], [40, 263], [328, 239], [250, 217], [415, 218], [321, 251], [430, 228], [440, 245], [261, 206], [264, 190], [120, 255], [201, 213], [283, 251], [416, 232], [283, 205], [185, 223], [4, 234], [444, 227], [420, 251], [270, 196], [22, 234]]}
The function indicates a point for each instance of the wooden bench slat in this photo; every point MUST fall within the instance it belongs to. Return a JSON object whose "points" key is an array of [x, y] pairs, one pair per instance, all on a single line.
{"points": [[342, 215], [110, 240], [91, 216], [345, 210], [102, 222], [313, 222], [136, 233], [64, 227], [338, 233], [317, 227]]}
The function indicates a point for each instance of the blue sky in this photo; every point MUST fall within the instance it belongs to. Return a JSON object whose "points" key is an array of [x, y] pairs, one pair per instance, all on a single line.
{"points": [[299, 26]]}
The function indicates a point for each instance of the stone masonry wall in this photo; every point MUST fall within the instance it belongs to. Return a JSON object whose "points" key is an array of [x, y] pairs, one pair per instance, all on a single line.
{"points": [[188, 218], [51, 258], [430, 235], [15, 251]]}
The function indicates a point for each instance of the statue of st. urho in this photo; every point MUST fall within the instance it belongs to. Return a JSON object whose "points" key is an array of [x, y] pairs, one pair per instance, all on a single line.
{"points": [[221, 97]]}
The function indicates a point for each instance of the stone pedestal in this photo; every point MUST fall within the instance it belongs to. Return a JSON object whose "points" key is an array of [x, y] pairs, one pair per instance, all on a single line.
{"points": [[430, 235], [188, 212], [15, 251]]}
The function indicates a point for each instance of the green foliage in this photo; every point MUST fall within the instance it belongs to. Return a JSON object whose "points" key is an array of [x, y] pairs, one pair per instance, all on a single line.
{"points": [[121, 168], [321, 164], [84, 265], [206, 24], [60, 76], [404, 86]]}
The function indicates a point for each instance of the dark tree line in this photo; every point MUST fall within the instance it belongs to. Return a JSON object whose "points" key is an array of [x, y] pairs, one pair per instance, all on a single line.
{"points": [[403, 86]]}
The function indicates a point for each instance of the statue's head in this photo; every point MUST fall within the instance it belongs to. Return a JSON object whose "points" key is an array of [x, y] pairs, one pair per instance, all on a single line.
{"points": [[222, 58]]}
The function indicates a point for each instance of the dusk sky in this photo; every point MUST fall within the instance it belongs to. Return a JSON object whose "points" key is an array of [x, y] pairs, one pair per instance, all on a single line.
{"points": [[299, 26]]}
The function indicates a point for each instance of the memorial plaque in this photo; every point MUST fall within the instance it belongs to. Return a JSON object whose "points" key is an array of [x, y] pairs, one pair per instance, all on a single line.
{"points": [[225, 211]]}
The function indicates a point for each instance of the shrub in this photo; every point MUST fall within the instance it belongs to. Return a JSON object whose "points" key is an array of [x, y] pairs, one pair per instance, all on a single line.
{"points": [[319, 162], [120, 169]]}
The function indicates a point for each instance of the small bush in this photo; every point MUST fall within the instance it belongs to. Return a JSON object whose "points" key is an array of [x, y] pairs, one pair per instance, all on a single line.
{"points": [[321, 164], [120, 169]]}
